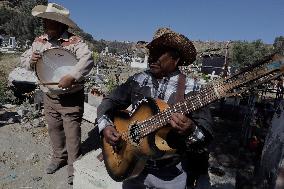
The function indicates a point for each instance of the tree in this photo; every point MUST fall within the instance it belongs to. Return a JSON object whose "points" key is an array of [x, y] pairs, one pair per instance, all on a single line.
{"points": [[99, 45], [246, 53], [17, 20], [279, 44]]}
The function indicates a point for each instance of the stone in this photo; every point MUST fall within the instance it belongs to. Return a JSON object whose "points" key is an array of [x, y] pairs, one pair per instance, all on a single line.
{"points": [[224, 160], [38, 123], [33, 158], [38, 97], [37, 179], [90, 113], [216, 171], [11, 120], [94, 100], [22, 112], [22, 74], [9, 106], [27, 125]]}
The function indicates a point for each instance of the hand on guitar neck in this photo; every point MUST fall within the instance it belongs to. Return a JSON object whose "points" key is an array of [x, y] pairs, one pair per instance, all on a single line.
{"points": [[181, 123]]}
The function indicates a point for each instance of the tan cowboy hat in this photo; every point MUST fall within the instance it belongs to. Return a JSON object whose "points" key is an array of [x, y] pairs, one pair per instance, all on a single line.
{"points": [[54, 12], [165, 37]]}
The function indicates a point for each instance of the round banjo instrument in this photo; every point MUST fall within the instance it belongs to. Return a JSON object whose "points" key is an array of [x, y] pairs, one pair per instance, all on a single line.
{"points": [[55, 63]]}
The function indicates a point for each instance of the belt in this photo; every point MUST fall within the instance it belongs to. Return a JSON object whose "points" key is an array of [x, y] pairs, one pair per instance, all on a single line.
{"points": [[154, 164], [53, 96]]}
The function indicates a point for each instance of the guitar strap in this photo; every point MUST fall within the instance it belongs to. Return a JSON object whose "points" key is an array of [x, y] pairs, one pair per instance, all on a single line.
{"points": [[180, 88]]}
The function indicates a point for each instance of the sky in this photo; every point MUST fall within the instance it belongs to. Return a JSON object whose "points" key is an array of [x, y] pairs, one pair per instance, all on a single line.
{"points": [[217, 20]]}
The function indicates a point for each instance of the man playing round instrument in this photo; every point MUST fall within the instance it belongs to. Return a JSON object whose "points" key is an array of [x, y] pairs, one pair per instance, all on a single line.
{"points": [[63, 109], [190, 133]]}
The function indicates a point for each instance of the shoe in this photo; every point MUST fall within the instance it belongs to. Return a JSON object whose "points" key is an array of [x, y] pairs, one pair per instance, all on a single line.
{"points": [[70, 180], [53, 167]]}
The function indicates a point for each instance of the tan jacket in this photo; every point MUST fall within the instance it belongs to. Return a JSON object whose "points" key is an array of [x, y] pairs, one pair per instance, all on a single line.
{"points": [[74, 44]]}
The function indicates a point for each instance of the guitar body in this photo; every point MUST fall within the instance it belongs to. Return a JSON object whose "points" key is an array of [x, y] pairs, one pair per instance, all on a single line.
{"points": [[128, 159]]}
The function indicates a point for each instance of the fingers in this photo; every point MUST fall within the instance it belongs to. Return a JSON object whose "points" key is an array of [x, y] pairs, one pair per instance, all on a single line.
{"points": [[35, 57], [60, 84], [181, 123], [66, 81], [176, 126], [113, 138], [111, 135]]}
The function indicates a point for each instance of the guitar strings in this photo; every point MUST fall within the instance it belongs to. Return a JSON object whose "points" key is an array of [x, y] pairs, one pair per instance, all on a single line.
{"points": [[160, 119]]}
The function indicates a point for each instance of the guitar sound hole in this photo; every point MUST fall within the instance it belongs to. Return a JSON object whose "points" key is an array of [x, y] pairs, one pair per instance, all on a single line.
{"points": [[118, 147], [134, 134]]}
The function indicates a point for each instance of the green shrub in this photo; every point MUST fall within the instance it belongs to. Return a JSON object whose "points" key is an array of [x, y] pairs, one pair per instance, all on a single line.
{"points": [[110, 85], [3, 87]]}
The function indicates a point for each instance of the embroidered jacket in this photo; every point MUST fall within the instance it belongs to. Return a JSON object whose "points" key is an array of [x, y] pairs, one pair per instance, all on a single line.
{"points": [[67, 41]]}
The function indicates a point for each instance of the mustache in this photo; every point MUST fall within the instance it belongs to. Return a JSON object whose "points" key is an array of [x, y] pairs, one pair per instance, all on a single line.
{"points": [[154, 63]]}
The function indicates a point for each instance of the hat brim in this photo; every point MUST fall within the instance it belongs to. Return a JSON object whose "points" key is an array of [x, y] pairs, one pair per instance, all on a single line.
{"points": [[178, 42], [39, 11]]}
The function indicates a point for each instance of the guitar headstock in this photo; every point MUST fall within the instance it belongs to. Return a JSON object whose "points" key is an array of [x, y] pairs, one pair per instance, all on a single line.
{"points": [[278, 62], [262, 72]]}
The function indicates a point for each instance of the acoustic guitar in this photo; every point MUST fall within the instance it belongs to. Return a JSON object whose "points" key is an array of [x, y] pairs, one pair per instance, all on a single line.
{"points": [[144, 131]]}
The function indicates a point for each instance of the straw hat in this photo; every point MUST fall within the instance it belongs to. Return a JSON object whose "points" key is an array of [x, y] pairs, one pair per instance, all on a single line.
{"points": [[54, 12], [165, 37]]}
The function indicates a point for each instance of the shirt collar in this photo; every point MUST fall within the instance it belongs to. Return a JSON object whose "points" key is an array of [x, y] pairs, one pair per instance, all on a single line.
{"points": [[64, 37], [174, 73]]}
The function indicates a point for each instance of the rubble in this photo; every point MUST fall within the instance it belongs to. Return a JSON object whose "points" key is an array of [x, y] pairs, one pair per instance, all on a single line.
{"points": [[33, 158]]}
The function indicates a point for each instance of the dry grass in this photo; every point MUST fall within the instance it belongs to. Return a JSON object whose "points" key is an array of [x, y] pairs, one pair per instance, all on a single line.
{"points": [[7, 63]]}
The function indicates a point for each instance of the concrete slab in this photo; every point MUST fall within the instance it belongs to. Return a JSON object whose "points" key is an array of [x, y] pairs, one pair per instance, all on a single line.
{"points": [[90, 113], [90, 173]]}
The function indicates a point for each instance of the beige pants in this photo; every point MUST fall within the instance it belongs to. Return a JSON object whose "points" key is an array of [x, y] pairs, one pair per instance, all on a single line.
{"points": [[64, 114]]}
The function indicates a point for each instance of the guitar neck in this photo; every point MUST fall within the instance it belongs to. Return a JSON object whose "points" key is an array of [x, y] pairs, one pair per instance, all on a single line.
{"points": [[192, 103]]}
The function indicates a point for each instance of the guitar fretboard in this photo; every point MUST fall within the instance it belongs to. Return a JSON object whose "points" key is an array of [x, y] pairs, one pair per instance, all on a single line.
{"points": [[192, 103]]}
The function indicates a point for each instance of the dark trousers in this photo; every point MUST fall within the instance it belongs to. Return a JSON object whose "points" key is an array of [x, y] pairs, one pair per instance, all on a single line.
{"points": [[195, 164], [63, 114]]}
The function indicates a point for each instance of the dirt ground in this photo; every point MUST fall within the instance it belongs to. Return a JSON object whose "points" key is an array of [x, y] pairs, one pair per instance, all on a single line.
{"points": [[24, 154]]}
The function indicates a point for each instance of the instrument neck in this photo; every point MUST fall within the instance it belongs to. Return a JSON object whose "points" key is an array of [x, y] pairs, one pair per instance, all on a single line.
{"points": [[190, 104]]}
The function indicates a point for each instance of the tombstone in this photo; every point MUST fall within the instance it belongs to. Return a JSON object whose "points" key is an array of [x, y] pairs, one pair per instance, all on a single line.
{"points": [[1, 40], [213, 63], [12, 42]]}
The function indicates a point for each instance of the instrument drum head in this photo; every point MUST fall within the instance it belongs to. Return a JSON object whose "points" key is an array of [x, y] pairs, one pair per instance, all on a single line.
{"points": [[54, 64]]}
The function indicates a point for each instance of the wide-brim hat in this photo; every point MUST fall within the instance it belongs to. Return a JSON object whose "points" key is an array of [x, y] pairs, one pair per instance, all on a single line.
{"points": [[166, 38], [54, 12]]}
